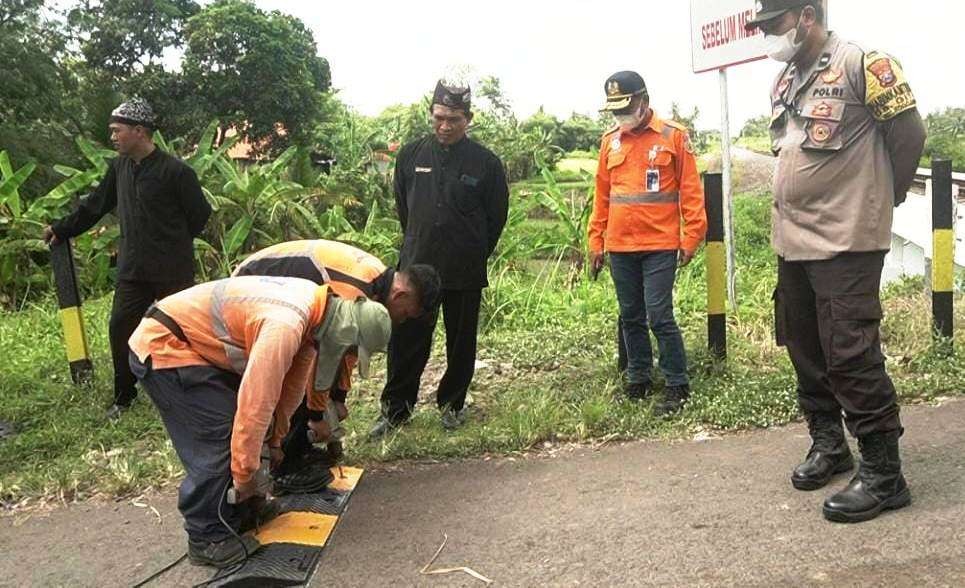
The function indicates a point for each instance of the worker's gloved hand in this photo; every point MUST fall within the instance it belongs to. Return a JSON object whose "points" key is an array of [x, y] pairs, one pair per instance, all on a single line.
{"points": [[341, 410], [246, 490], [597, 261], [322, 432]]}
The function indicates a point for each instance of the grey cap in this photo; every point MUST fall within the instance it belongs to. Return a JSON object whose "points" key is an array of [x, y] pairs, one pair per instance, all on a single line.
{"points": [[361, 323]]}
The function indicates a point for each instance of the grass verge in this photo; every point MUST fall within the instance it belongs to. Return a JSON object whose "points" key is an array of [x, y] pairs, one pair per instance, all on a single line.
{"points": [[548, 351]]}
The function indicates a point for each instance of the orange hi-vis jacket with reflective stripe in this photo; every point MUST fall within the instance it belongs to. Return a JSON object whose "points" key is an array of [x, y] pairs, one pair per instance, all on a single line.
{"points": [[258, 327], [630, 215], [348, 271]]}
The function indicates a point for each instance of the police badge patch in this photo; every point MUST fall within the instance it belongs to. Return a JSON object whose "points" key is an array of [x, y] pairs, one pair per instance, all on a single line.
{"points": [[831, 76], [888, 93], [615, 144], [820, 132]]}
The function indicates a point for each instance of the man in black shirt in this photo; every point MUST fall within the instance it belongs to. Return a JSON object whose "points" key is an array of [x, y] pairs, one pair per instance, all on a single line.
{"points": [[452, 201], [161, 208]]}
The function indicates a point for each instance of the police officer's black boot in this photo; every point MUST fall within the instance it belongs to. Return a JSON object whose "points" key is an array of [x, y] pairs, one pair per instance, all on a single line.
{"points": [[829, 453], [877, 486]]}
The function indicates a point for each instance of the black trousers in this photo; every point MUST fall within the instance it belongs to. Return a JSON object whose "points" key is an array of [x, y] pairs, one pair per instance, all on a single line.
{"points": [[409, 350], [131, 301], [197, 405], [828, 315]]}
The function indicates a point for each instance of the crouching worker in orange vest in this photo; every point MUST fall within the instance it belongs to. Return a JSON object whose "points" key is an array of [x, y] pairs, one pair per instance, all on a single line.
{"points": [[349, 272], [226, 363]]}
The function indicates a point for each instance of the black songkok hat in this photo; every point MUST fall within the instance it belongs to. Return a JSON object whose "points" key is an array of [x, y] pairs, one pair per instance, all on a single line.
{"points": [[456, 97]]}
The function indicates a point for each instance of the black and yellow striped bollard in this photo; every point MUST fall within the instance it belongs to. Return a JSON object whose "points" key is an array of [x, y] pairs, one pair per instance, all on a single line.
{"points": [[716, 266], [68, 298], [943, 251]]}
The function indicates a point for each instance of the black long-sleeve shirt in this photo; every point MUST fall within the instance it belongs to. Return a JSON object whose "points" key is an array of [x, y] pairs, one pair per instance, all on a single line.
{"points": [[452, 204], [161, 208]]}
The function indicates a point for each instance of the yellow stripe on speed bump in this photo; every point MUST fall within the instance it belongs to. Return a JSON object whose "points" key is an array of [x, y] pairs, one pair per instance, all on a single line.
{"points": [[307, 528], [943, 248], [301, 528], [345, 479], [74, 339]]}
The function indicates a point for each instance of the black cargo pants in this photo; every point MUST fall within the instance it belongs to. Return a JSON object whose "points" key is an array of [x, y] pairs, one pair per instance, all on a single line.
{"points": [[827, 314]]}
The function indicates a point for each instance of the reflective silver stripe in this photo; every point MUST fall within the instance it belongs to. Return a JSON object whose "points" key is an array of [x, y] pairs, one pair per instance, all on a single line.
{"points": [[645, 198], [307, 252], [236, 355]]}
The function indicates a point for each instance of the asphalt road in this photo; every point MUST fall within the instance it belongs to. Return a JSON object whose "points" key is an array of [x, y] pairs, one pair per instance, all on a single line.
{"points": [[717, 512]]}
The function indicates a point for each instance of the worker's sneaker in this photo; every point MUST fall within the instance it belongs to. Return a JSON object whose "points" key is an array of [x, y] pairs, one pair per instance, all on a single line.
{"points": [[222, 554], [316, 456], [307, 480], [639, 391], [673, 400], [383, 427], [453, 419]]}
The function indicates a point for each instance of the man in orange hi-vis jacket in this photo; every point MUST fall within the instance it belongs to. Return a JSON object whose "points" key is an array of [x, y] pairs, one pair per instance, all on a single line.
{"points": [[349, 272], [226, 363], [648, 214]]}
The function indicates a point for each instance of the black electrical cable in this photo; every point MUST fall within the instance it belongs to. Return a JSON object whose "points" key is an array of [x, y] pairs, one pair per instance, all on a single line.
{"points": [[172, 565], [161, 572]]}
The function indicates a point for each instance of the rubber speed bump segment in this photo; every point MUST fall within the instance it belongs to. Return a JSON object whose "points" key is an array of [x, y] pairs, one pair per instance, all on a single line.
{"points": [[293, 542]]}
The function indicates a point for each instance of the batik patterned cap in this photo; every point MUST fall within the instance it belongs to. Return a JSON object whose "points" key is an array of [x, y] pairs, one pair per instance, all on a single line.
{"points": [[135, 111]]}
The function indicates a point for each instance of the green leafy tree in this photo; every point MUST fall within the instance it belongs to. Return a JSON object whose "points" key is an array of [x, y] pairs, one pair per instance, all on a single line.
{"points": [[946, 137], [580, 133], [37, 116], [258, 71], [757, 127], [123, 37], [523, 152]]}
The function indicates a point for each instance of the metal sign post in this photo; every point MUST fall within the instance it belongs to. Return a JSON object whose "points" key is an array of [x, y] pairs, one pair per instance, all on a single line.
{"points": [[718, 41], [728, 203]]}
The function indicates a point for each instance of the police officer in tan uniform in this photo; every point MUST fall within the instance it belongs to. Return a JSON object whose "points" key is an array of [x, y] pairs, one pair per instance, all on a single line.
{"points": [[848, 138]]}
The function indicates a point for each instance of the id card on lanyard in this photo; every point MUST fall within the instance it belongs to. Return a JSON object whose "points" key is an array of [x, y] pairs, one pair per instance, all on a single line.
{"points": [[653, 174]]}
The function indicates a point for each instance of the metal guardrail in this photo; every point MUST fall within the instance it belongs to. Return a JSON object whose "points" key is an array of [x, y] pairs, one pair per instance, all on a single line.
{"points": [[924, 175]]}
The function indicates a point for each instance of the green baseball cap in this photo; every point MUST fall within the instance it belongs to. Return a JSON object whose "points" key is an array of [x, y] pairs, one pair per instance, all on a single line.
{"points": [[360, 323]]}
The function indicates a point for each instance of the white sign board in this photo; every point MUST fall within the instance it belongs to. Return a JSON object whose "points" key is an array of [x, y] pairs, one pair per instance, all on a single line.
{"points": [[718, 37]]}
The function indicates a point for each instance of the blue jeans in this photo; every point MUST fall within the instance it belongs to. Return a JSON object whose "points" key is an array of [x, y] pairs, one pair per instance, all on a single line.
{"points": [[644, 284]]}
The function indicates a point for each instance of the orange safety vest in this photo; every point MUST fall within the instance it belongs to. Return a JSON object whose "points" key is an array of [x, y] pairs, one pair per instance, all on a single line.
{"points": [[348, 271], [630, 215], [258, 327]]}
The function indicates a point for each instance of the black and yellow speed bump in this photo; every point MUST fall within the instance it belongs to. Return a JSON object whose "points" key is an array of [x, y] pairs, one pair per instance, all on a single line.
{"points": [[68, 299], [293, 542]]}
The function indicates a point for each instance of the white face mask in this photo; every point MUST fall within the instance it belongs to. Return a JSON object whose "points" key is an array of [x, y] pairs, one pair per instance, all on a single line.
{"points": [[628, 122], [783, 47]]}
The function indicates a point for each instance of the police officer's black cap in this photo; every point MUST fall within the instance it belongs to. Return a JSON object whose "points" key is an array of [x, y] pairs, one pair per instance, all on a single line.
{"points": [[621, 87], [770, 9], [455, 97]]}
